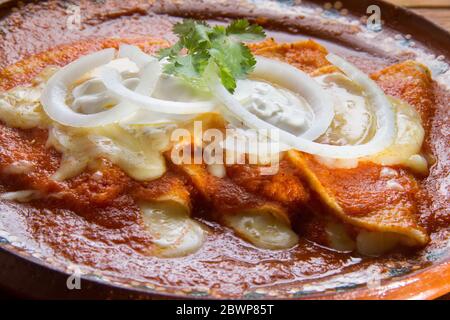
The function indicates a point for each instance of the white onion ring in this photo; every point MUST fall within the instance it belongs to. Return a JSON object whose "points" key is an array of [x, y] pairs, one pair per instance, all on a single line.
{"points": [[297, 81], [135, 54], [149, 76], [382, 139], [150, 68], [53, 97], [383, 108], [112, 80]]}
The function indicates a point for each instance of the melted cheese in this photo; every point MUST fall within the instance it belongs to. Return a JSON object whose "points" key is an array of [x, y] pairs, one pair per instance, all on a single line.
{"points": [[135, 149], [89, 95], [21, 196], [408, 143], [353, 120], [368, 243], [338, 237], [18, 167], [387, 172], [262, 229], [354, 124], [173, 231], [217, 170], [21, 108], [167, 85], [377, 243]]}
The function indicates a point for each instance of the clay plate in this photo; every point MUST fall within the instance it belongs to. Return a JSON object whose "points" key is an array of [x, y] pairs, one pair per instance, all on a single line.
{"points": [[342, 29]]}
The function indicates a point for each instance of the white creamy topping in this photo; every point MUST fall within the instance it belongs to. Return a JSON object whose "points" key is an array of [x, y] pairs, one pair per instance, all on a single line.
{"points": [[21, 196], [418, 164], [20, 108], [19, 167], [338, 237], [353, 119], [137, 150], [217, 170], [91, 96], [278, 106], [174, 89], [375, 244], [262, 229], [173, 231], [354, 124], [388, 172], [394, 185], [408, 142]]}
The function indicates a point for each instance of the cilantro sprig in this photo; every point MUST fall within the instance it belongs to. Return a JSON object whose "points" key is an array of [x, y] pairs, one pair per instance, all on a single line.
{"points": [[200, 45]]}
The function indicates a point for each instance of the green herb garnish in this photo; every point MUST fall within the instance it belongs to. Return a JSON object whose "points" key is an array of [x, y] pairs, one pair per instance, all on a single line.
{"points": [[200, 45]]}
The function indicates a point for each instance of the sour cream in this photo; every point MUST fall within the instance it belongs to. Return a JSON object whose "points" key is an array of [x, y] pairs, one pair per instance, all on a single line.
{"points": [[90, 94], [279, 107]]}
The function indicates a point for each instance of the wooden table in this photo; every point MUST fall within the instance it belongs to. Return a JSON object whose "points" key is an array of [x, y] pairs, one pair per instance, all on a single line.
{"points": [[437, 11]]}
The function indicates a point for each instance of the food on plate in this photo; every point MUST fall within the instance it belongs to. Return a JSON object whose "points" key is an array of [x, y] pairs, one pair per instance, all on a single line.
{"points": [[117, 140]]}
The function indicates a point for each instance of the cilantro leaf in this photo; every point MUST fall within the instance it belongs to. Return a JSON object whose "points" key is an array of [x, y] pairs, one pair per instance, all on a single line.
{"points": [[200, 44], [172, 51], [244, 31], [192, 34]]}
